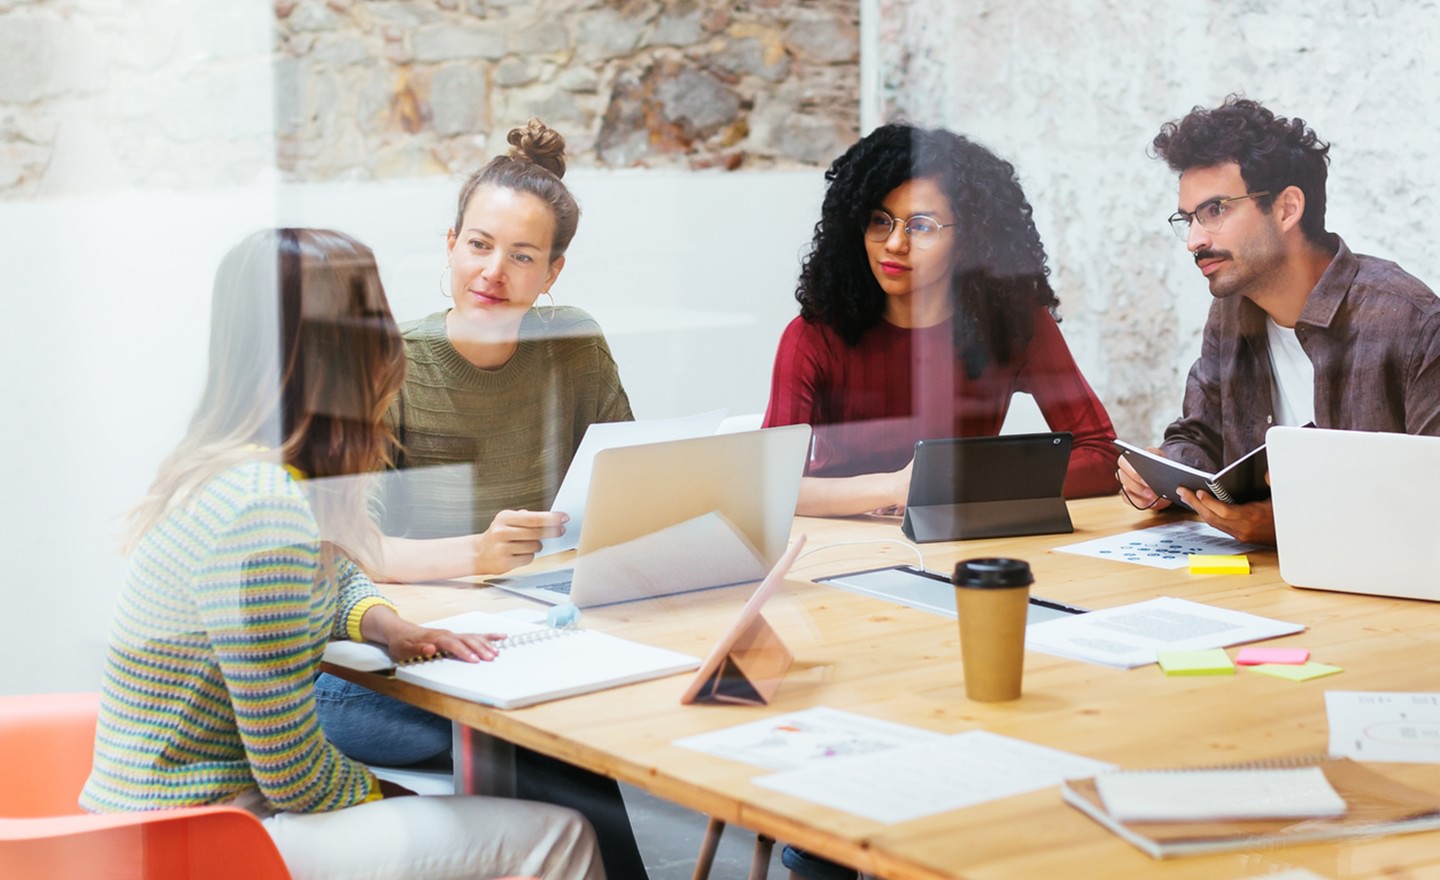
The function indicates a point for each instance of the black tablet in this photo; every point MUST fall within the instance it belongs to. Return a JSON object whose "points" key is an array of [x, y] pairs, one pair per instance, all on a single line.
{"points": [[988, 487]]}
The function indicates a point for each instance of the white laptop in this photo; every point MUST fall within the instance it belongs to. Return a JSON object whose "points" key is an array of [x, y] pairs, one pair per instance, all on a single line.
{"points": [[1355, 510], [664, 518]]}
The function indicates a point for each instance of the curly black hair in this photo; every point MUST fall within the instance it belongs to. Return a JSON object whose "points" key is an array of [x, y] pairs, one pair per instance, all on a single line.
{"points": [[1000, 273], [1273, 153]]}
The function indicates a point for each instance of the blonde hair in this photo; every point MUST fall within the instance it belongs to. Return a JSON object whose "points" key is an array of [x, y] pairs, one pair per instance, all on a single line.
{"points": [[535, 165], [305, 357]]}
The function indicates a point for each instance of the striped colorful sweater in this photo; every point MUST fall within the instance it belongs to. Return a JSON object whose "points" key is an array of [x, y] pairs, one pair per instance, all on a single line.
{"points": [[209, 682]]}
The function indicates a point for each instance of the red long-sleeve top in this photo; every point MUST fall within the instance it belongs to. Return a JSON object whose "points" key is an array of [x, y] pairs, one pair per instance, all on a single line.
{"points": [[869, 403]]}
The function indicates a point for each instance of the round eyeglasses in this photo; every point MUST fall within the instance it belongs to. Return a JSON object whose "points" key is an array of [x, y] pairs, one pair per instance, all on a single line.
{"points": [[1209, 214], [922, 229]]}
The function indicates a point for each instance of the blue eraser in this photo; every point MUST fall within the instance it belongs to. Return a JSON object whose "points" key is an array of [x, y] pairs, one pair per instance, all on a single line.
{"points": [[563, 616]]}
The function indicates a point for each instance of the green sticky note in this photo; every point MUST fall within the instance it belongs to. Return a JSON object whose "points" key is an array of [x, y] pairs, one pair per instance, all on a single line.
{"points": [[1213, 661], [1297, 673]]}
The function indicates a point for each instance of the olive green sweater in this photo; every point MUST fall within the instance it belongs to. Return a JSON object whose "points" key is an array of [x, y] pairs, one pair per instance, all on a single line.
{"points": [[514, 429]]}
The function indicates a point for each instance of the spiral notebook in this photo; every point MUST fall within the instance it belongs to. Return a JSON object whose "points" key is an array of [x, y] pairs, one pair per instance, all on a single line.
{"points": [[539, 663], [535, 664], [1373, 805], [1238, 482]]}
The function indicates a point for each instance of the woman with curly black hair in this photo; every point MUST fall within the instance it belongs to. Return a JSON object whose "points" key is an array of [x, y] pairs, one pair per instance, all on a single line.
{"points": [[925, 303]]}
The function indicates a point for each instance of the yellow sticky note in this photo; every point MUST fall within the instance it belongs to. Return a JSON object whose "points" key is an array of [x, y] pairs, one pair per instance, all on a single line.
{"points": [[1213, 661], [1297, 673], [1204, 563]]}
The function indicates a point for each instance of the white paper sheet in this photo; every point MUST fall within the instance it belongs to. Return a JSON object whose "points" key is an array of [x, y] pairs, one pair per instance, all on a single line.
{"points": [[575, 487], [1129, 635], [897, 785], [785, 742], [1167, 546], [1395, 726]]}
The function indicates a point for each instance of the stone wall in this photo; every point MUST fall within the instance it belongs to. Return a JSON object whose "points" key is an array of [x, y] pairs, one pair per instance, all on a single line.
{"points": [[106, 94], [405, 88], [1073, 93]]}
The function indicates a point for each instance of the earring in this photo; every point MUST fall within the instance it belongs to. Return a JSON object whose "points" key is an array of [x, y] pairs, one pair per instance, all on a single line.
{"points": [[547, 316], [444, 286]]}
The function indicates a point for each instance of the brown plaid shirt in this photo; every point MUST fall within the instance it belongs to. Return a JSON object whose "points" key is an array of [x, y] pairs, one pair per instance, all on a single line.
{"points": [[1372, 332]]}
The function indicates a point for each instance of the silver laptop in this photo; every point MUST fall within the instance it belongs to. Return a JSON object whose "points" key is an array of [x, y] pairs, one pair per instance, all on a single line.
{"points": [[665, 518], [1354, 510]]}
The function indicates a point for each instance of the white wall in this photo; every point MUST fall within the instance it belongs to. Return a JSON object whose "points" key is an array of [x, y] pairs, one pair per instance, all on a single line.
{"points": [[107, 302], [1073, 93], [692, 275]]}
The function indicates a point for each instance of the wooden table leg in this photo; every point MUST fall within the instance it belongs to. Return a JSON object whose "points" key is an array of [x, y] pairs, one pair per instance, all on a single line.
{"points": [[713, 829]]}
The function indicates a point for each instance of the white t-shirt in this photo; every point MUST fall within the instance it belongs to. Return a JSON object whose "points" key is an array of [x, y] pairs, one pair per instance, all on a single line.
{"points": [[1294, 376]]}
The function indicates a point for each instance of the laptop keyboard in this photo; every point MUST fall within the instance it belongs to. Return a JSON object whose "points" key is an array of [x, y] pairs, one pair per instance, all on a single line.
{"points": [[560, 585], [555, 583]]}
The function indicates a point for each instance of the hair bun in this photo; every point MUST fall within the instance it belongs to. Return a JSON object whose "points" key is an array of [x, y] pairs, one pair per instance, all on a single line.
{"points": [[540, 144]]}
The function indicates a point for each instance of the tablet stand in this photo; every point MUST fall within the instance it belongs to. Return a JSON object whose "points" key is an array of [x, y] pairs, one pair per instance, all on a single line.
{"points": [[751, 671], [986, 519]]}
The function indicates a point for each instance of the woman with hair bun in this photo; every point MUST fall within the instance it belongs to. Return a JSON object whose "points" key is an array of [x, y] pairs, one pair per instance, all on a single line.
{"points": [[925, 303], [500, 388], [498, 382]]}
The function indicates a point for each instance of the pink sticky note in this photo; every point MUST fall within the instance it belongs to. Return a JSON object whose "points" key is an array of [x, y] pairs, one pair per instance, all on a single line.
{"points": [[1258, 656]]}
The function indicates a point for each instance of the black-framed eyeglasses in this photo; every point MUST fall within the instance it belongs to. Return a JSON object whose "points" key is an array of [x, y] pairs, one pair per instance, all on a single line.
{"points": [[922, 229], [1209, 214]]}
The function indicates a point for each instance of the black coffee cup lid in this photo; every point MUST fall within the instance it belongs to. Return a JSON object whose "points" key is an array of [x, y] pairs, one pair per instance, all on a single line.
{"points": [[992, 572]]}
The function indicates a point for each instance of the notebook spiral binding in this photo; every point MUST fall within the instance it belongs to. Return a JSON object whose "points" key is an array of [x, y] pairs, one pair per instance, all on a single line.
{"points": [[415, 661], [1220, 493], [1286, 762], [538, 635], [519, 640]]}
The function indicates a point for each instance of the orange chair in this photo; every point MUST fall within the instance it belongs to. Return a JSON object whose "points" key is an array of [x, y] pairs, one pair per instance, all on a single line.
{"points": [[46, 744]]}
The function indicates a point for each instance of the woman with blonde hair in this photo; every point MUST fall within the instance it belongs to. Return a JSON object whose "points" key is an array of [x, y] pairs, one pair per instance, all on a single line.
{"points": [[245, 559]]}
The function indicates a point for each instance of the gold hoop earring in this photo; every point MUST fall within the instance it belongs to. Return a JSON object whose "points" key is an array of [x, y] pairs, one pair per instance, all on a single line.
{"points": [[444, 287], [547, 316]]}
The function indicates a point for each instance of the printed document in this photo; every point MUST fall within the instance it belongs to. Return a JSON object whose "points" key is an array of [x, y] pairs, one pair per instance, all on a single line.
{"points": [[897, 785], [1129, 635], [1394, 726], [1167, 546], [796, 739]]}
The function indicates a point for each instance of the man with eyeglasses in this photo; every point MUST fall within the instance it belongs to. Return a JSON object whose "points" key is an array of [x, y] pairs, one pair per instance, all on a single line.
{"points": [[1301, 330]]}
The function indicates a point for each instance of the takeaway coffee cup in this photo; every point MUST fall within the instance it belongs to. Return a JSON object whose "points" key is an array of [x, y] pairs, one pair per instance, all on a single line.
{"points": [[992, 596]]}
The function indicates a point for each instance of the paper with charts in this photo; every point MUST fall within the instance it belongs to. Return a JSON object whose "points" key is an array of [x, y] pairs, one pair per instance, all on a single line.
{"points": [[944, 774], [1167, 546], [1129, 635], [1395, 726], [795, 739]]}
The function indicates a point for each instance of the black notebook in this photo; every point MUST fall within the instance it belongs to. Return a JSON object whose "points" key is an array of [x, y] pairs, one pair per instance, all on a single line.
{"points": [[1239, 482]]}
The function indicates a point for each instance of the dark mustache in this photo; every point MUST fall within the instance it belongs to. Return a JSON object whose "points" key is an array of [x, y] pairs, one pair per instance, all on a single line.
{"points": [[1209, 253]]}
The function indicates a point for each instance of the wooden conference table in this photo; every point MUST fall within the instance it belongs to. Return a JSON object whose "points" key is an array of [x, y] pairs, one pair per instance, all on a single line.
{"points": [[879, 659]]}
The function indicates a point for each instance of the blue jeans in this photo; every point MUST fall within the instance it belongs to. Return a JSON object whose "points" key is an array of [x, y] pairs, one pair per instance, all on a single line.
{"points": [[376, 729]]}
